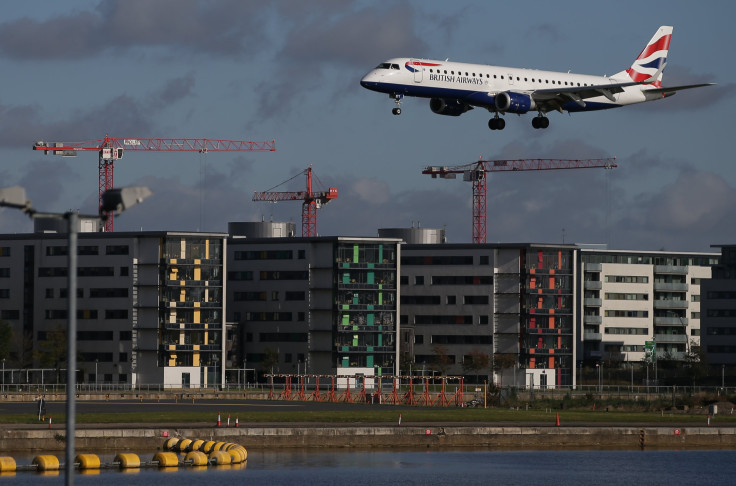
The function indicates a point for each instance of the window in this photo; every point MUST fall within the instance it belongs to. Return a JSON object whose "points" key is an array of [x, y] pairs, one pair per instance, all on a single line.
{"points": [[123, 271], [294, 295], [4, 251], [108, 293], [475, 300], [4, 273], [419, 280], [9, 314], [4, 293], [451, 300], [116, 313], [116, 250]]}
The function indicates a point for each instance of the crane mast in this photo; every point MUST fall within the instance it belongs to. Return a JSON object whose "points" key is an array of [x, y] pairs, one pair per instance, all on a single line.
{"points": [[476, 174], [111, 149], [312, 201]]}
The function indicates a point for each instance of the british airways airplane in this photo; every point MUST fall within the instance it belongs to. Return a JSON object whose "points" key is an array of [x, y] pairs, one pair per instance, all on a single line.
{"points": [[454, 88]]}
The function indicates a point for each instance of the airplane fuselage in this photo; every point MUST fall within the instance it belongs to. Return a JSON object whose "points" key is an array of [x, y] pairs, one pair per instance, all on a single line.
{"points": [[478, 84]]}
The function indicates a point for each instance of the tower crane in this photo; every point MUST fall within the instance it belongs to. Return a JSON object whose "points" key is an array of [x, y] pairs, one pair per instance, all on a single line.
{"points": [[111, 149], [476, 173], [312, 201]]}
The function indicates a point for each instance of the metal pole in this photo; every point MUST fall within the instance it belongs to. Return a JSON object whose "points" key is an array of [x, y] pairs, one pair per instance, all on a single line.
{"points": [[71, 338]]}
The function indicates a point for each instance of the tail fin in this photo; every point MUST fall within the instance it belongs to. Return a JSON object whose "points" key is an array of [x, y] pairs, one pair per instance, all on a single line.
{"points": [[653, 58]]}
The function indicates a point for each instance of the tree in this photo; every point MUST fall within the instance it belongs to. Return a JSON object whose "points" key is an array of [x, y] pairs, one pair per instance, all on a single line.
{"points": [[441, 358], [696, 362], [478, 362], [52, 351], [270, 360]]}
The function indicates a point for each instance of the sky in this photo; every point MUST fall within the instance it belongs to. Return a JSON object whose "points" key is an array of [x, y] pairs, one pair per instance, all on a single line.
{"points": [[290, 70]]}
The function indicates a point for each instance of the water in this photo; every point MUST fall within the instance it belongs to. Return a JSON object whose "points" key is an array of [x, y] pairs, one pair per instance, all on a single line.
{"points": [[429, 468]]}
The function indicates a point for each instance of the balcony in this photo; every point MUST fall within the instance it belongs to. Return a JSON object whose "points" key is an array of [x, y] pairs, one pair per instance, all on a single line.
{"points": [[670, 338], [593, 267], [670, 304], [670, 321], [593, 285], [596, 320], [592, 336], [671, 269], [670, 287], [591, 302]]}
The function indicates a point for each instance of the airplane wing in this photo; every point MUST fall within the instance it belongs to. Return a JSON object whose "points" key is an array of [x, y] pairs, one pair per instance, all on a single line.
{"points": [[554, 98], [673, 89]]}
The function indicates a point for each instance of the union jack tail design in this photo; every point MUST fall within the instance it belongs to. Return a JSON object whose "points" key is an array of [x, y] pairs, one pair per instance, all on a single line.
{"points": [[653, 58]]}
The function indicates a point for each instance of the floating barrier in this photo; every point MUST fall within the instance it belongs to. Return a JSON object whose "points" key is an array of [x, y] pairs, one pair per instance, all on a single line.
{"points": [[127, 461], [7, 464], [195, 453], [87, 461], [46, 463]]}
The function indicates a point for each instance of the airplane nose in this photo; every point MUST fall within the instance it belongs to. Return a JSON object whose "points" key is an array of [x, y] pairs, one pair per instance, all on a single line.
{"points": [[369, 81]]}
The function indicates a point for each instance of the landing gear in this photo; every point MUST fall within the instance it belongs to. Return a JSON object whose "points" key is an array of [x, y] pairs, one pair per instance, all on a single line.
{"points": [[496, 123], [540, 122], [397, 99]]}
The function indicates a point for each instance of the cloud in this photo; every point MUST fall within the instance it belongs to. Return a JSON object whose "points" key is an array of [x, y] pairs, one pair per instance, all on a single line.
{"points": [[225, 28], [122, 115], [356, 40]]}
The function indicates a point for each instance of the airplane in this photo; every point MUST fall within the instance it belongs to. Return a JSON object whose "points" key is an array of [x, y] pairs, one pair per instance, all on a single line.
{"points": [[455, 88]]}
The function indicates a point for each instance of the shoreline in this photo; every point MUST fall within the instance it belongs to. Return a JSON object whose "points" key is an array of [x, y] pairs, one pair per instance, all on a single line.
{"points": [[119, 438]]}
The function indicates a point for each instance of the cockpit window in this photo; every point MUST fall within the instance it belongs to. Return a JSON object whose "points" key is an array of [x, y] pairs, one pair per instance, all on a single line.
{"points": [[387, 65], [395, 66]]}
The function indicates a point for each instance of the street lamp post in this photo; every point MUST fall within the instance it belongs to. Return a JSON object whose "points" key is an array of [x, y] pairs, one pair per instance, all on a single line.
{"points": [[113, 200], [96, 362], [3, 375], [600, 385]]}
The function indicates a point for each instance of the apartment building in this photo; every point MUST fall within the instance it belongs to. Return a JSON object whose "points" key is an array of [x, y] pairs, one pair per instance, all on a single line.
{"points": [[630, 298], [718, 310], [150, 305], [320, 305]]}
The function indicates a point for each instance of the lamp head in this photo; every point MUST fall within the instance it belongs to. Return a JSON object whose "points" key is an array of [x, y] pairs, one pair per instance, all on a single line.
{"points": [[118, 200]]}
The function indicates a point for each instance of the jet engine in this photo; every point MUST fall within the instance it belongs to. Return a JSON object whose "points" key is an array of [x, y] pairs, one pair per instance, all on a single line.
{"points": [[449, 107], [511, 102]]}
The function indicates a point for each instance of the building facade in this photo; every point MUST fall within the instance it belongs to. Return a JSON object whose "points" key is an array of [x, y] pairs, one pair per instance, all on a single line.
{"points": [[321, 305], [718, 310], [150, 305], [632, 298]]}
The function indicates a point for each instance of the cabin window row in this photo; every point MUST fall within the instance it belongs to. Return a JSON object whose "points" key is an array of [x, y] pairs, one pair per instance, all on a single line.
{"points": [[518, 78]]}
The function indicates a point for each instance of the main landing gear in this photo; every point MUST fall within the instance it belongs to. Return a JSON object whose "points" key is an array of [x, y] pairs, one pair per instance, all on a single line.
{"points": [[540, 122], [496, 123], [397, 99]]}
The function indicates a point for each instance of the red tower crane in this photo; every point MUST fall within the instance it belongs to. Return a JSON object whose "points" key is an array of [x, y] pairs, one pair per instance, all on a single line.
{"points": [[312, 201], [111, 149], [476, 173]]}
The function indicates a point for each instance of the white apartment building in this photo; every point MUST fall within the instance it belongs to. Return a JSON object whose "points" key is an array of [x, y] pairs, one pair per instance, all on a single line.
{"points": [[634, 297]]}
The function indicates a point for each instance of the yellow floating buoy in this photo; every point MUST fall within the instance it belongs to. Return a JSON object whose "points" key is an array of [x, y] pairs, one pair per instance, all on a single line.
{"points": [[128, 461], [218, 446], [236, 455], [87, 461], [196, 445], [183, 445], [7, 464], [207, 447], [198, 458], [220, 458], [46, 463], [166, 459], [171, 443]]}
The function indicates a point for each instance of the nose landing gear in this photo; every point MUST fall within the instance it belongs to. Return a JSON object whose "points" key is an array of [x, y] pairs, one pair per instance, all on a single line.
{"points": [[397, 99]]}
